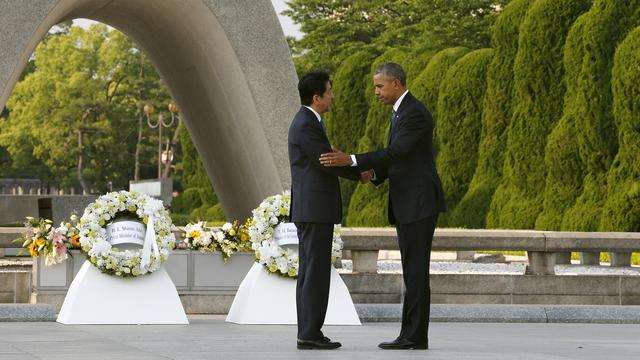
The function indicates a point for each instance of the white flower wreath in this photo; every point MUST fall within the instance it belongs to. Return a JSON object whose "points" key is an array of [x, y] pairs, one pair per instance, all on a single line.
{"points": [[272, 212], [139, 207]]}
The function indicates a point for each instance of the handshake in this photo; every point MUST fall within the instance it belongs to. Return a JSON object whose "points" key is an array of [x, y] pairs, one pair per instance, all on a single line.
{"points": [[366, 176], [339, 158]]}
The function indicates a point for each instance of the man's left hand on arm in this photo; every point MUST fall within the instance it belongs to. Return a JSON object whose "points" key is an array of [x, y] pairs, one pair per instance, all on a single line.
{"points": [[335, 159]]}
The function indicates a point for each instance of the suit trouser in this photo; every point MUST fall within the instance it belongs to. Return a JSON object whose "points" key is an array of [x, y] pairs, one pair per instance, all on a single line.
{"points": [[314, 278], [415, 250]]}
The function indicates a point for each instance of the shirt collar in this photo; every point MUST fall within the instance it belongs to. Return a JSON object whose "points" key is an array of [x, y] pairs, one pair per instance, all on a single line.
{"points": [[397, 104], [313, 111]]}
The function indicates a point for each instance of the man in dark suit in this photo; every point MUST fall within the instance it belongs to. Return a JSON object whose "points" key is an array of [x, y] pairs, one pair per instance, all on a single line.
{"points": [[315, 207], [415, 195]]}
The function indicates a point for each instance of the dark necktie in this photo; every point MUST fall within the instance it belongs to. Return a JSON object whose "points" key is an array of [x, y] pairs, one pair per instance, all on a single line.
{"points": [[324, 130], [394, 120]]}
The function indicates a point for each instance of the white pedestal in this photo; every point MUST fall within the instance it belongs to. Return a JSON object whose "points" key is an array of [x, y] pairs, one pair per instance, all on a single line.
{"points": [[96, 298], [264, 298]]}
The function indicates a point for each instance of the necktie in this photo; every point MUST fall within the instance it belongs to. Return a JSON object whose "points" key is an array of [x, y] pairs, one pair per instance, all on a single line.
{"points": [[323, 128], [394, 120]]}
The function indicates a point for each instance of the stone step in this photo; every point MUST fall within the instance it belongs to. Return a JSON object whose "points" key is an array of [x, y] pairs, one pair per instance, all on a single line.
{"points": [[27, 312], [439, 313], [508, 313]]}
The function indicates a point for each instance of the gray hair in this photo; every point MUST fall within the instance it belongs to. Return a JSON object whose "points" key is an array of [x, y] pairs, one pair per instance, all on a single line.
{"points": [[392, 71]]}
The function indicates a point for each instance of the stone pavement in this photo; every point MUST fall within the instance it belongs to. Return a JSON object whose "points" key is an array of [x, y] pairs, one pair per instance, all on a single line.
{"points": [[209, 337]]}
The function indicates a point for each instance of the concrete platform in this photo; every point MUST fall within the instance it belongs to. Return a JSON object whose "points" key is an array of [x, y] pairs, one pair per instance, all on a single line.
{"points": [[211, 338], [486, 313], [372, 313]]}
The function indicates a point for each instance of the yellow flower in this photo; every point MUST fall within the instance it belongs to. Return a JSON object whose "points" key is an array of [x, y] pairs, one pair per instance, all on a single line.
{"points": [[33, 249], [75, 241], [195, 234], [40, 241]]}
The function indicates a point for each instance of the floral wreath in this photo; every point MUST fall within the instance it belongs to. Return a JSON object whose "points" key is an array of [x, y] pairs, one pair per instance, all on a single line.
{"points": [[138, 207], [272, 212]]}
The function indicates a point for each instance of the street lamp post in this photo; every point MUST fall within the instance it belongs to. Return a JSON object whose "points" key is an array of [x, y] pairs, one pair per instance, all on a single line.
{"points": [[160, 123]]}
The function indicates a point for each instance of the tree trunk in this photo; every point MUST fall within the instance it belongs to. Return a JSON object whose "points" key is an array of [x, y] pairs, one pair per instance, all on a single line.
{"points": [[86, 187], [81, 179]]}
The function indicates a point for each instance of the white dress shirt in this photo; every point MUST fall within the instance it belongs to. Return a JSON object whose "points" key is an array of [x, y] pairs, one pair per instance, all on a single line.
{"points": [[315, 112]]}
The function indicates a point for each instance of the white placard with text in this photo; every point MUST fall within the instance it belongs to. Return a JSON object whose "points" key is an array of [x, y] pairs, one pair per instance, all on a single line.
{"points": [[286, 234], [126, 232]]}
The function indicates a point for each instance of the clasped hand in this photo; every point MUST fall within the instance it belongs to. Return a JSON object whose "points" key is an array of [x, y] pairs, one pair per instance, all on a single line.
{"points": [[337, 158]]}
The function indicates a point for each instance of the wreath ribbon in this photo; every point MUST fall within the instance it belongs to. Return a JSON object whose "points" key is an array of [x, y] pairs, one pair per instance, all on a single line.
{"points": [[150, 244]]}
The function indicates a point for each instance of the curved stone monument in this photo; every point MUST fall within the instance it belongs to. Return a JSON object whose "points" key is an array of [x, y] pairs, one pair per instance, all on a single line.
{"points": [[225, 62]]}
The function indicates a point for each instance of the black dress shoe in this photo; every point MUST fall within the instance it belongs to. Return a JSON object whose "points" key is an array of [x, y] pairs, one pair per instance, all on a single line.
{"points": [[402, 344], [322, 344]]}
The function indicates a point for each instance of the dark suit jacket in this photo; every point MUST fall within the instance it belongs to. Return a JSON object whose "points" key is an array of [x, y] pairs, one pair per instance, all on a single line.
{"points": [[415, 190], [315, 190]]}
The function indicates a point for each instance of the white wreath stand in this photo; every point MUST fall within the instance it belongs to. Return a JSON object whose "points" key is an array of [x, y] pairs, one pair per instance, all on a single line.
{"points": [[265, 298], [96, 298]]}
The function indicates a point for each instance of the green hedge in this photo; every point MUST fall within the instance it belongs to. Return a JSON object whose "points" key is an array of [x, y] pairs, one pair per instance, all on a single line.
{"points": [[347, 119], [368, 204], [538, 96], [198, 195], [472, 210], [459, 124], [621, 210], [426, 86], [562, 162], [607, 23], [187, 201]]}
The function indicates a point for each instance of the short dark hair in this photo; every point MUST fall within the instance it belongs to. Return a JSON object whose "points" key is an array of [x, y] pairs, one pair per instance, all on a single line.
{"points": [[392, 71], [313, 83]]}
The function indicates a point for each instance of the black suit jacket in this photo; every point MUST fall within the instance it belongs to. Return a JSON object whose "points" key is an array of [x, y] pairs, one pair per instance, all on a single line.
{"points": [[415, 190], [315, 190]]}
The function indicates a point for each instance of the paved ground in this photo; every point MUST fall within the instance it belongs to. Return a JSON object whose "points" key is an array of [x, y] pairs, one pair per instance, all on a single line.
{"points": [[211, 338]]}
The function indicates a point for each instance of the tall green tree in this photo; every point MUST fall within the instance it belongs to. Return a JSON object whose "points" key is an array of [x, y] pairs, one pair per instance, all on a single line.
{"points": [[459, 125], [621, 211], [471, 211], [562, 161], [608, 22], [538, 94], [198, 201]]}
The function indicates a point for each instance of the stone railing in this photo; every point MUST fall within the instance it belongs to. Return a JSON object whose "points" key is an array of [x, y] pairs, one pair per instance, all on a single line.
{"points": [[544, 248]]}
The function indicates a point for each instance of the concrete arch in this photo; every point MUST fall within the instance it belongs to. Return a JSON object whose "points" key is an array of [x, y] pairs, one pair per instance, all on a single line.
{"points": [[226, 63]]}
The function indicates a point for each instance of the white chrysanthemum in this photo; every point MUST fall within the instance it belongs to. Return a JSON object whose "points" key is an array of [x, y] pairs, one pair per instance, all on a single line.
{"points": [[100, 248]]}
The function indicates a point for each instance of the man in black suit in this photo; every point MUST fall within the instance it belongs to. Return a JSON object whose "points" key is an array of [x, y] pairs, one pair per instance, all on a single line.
{"points": [[415, 195], [315, 207]]}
